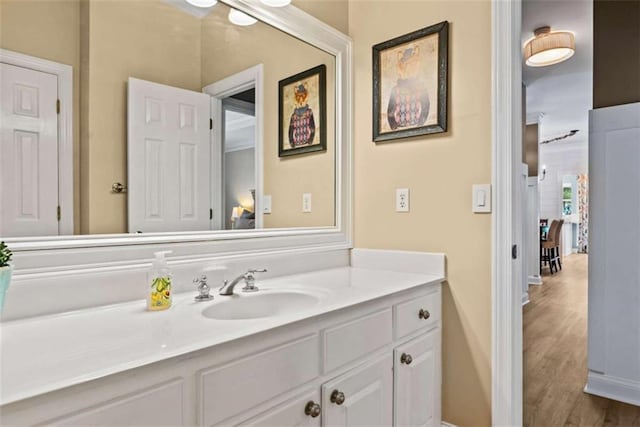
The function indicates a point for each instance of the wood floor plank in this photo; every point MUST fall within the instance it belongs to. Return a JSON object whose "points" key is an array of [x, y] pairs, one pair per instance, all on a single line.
{"points": [[555, 356]]}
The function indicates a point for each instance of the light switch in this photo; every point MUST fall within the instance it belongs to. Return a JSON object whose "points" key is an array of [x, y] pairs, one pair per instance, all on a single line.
{"points": [[481, 201], [266, 204]]}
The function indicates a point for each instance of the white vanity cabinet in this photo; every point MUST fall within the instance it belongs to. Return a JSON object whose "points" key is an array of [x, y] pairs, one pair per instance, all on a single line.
{"points": [[376, 363]]}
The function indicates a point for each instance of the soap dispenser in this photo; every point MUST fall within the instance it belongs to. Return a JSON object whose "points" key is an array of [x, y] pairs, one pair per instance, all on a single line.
{"points": [[159, 282]]}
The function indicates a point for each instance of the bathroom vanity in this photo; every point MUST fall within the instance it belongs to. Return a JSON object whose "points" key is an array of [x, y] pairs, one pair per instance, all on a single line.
{"points": [[350, 345]]}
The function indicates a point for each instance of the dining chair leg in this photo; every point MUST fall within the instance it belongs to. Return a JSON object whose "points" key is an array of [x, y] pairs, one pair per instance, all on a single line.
{"points": [[559, 259], [552, 260]]}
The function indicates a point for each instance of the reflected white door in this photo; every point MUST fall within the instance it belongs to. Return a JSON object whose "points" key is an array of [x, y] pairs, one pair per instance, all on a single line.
{"points": [[28, 152], [168, 158]]}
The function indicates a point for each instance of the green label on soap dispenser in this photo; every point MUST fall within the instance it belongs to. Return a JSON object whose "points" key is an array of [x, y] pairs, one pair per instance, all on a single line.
{"points": [[161, 293]]}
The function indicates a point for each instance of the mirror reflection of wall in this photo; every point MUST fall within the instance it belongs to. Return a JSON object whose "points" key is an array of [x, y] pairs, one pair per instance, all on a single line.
{"points": [[166, 42]]}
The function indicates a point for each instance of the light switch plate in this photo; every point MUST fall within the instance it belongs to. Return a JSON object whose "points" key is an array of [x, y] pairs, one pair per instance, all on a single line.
{"points": [[481, 198], [266, 204], [402, 200], [306, 202]]}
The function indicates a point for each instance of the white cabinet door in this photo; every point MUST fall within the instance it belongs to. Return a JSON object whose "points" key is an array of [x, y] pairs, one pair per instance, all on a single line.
{"points": [[28, 152], [417, 381], [361, 397], [289, 414], [168, 158]]}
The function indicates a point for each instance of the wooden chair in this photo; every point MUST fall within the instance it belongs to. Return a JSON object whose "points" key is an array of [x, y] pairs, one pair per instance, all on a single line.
{"points": [[550, 248]]}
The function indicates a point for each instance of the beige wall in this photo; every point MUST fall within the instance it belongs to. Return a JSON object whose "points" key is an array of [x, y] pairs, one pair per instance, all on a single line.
{"points": [[49, 30], [145, 39], [332, 12], [285, 179], [439, 170]]}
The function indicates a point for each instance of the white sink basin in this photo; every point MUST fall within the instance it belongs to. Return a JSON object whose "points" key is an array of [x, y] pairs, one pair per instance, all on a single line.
{"points": [[265, 303]]}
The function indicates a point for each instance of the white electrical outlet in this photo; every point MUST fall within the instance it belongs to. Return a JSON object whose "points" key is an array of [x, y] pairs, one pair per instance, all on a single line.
{"points": [[306, 202], [402, 200]]}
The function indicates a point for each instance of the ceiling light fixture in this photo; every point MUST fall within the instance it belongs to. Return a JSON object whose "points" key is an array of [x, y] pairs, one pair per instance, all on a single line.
{"points": [[241, 18], [549, 47], [202, 3], [276, 3]]}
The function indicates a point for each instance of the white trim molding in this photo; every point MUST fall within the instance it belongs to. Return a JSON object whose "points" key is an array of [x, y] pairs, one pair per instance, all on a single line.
{"points": [[246, 79], [506, 363], [619, 389], [65, 128]]}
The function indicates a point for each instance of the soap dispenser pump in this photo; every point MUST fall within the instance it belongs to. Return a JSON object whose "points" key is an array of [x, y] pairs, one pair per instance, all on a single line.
{"points": [[159, 282]]}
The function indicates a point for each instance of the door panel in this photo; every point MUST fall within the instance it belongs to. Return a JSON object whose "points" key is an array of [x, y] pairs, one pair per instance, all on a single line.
{"points": [[417, 383], [368, 398], [28, 152], [168, 158]]}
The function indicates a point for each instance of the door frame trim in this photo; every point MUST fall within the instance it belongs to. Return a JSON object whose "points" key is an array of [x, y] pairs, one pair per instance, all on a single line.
{"points": [[65, 127], [238, 82], [506, 330]]}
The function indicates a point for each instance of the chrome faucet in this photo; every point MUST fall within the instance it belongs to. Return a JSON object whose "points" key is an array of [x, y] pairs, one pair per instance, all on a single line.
{"points": [[249, 282], [203, 289]]}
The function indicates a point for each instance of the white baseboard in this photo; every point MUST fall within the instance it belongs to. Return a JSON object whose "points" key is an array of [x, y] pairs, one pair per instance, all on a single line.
{"points": [[446, 424], [534, 280], [619, 389], [525, 298]]}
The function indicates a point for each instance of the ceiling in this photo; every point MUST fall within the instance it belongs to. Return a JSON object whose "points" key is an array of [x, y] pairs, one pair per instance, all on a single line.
{"points": [[561, 94]]}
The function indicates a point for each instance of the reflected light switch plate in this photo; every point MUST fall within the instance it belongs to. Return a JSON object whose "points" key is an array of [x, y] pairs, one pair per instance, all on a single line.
{"points": [[266, 204], [481, 201]]}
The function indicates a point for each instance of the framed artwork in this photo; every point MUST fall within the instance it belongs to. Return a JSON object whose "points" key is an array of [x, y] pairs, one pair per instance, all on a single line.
{"points": [[302, 112], [410, 79]]}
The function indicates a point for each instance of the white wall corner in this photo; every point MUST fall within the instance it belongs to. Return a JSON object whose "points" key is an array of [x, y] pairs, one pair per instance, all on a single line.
{"points": [[535, 280]]}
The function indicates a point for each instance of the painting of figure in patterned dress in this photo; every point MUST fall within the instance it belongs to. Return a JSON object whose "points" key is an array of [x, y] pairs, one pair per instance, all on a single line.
{"points": [[410, 84], [302, 112]]}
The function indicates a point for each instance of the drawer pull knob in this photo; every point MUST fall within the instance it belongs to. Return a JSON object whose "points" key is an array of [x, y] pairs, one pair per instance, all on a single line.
{"points": [[406, 359], [424, 314], [312, 409], [337, 397]]}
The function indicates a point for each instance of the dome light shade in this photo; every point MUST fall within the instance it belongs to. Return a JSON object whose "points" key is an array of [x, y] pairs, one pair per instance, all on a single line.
{"points": [[276, 3], [202, 3], [240, 18], [549, 47]]}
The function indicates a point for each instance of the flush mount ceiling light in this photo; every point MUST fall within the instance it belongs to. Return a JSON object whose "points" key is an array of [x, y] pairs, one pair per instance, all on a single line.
{"points": [[240, 18], [202, 3], [276, 3], [549, 47]]}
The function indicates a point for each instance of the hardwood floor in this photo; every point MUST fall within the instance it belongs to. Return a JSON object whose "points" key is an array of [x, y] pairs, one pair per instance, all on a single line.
{"points": [[555, 355]]}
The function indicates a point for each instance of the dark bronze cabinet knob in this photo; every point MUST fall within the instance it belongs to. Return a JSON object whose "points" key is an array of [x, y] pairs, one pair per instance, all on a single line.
{"points": [[424, 314], [406, 359], [312, 409], [337, 397]]}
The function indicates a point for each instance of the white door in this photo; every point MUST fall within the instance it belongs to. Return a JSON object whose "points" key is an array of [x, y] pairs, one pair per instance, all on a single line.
{"points": [[362, 397], [28, 152], [289, 414], [168, 158], [417, 381]]}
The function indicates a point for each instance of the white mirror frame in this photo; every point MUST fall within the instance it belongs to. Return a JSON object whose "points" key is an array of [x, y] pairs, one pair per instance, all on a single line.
{"points": [[36, 255]]}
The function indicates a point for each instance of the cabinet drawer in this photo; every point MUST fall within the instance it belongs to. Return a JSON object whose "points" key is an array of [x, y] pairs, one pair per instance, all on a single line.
{"points": [[408, 317], [289, 413], [350, 341], [228, 390]]}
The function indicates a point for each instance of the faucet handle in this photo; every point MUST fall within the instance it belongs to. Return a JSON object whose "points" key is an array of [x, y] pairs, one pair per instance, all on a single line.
{"points": [[203, 289], [249, 280]]}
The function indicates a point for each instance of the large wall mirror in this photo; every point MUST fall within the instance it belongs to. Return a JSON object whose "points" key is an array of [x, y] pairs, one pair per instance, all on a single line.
{"points": [[140, 117]]}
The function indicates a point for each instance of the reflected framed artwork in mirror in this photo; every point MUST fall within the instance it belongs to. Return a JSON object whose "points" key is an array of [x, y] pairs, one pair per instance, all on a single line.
{"points": [[302, 112], [410, 84]]}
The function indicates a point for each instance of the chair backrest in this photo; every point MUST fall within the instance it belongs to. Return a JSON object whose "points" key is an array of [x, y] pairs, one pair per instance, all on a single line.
{"points": [[558, 230], [553, 235]]}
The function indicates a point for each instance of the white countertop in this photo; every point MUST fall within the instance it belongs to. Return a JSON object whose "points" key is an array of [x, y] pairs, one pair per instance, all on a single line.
{"points": [[47, 353]]}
